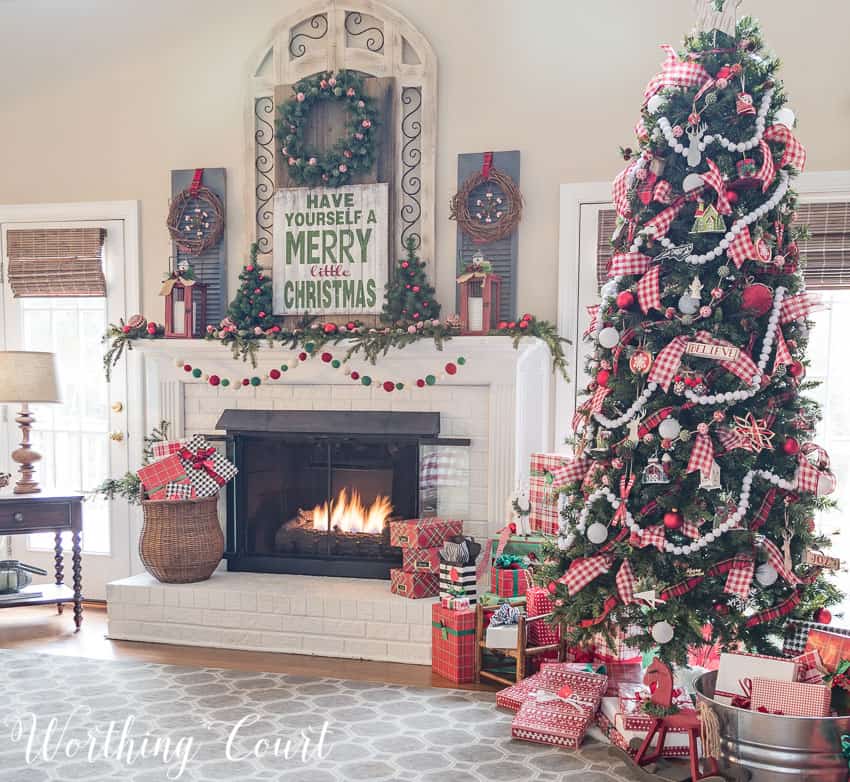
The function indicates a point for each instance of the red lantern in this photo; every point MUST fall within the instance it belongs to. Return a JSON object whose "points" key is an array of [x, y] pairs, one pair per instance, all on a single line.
{"points": [[480, 291], [185, 310]]}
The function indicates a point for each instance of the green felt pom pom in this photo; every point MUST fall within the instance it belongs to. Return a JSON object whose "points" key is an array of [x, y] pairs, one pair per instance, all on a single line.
{"points": [[225, 382], [461, 360], [196, 372], [366, 380], [284, 368], [399, 386], [430, 380], [310, 347], [255, 381], [335, 363]]}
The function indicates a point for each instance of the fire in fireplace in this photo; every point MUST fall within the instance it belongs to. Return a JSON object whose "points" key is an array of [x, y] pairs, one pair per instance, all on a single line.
{"points": [[316, 490]]}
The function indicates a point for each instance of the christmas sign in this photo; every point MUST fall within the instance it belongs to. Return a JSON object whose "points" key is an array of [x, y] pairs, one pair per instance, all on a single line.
{"points": [[330, 249], [817, 559], [719, 352]]}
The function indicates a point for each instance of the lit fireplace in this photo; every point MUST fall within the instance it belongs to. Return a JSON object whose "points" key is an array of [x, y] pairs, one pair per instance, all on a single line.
{"points": [[352, 515]]}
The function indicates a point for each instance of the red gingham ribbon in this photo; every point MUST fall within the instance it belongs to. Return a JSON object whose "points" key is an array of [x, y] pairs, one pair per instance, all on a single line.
{"points": [[675, 73], [663, 192], [582, 571], [667, 362], [690, 529], [650, 422], [767, 172], [620, 191], [743, 367], [799, 307], [646, 188], [808, 474], [627, 336], [714, 179], [649, 290], [740, 576], [625, 581], [782, 609], [574, 470], [641, 133], [795, 153], [628, 263], [764, 509], [741, 248], [649, 536], [664, 219], [593, 312], [625, 488], [783, 355], [777, 561], [702, 454]]}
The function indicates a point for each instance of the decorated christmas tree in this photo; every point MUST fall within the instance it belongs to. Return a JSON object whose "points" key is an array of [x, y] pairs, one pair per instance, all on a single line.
{"points": [[689, 503], [251, 307], [409, 295]]}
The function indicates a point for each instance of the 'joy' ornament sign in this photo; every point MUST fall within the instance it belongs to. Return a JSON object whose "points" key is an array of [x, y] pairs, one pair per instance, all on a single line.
{"points": [[330, 250]]}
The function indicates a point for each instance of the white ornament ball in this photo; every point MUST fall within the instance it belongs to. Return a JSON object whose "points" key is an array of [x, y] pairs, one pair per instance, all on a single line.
{"points": [[785, 116], [597, 533], [662, 632], [826, 484], [669, 429], [692, 182], [766, 574], [688, 305], [655, 103], [609, 337]]}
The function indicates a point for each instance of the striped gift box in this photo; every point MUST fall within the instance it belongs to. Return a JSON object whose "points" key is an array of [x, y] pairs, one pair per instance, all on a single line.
{"points": [[427, 559], [423, 533], [453, 643], [793, 699], [414, 585], [610, 722], [458, 581]]}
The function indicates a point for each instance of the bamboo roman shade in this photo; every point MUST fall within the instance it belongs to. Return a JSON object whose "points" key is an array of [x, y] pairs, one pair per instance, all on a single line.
{"points": [[827, 251], [56, 262], [607, 222]]}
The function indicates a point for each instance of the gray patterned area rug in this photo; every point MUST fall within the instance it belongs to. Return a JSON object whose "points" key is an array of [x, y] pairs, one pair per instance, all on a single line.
{"points": [[80, 719]]}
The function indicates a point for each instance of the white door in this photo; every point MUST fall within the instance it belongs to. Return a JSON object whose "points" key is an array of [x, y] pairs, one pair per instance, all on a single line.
{"points": [[75, 438]]}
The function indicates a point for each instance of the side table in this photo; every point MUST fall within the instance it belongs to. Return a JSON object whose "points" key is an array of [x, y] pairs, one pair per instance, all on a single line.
{"points": [[57, 512]]}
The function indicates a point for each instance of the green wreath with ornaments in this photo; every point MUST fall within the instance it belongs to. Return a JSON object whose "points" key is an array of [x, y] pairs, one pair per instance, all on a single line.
{"points": [[352, 154]]}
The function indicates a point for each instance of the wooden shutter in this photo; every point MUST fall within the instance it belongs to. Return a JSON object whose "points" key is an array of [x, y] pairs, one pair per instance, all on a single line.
{"points": [[56, 262], [606, 223], [827, 251]]}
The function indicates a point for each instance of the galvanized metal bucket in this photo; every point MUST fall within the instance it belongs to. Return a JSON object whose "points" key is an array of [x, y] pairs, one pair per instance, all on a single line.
{"points": [[768, 748]]}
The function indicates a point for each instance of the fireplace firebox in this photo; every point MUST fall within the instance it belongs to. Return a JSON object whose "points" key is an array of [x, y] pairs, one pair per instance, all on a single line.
{"points": [[316, 490]]}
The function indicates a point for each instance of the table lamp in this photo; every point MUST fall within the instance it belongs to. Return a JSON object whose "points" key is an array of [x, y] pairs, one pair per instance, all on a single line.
{"points": [[27, 377]]}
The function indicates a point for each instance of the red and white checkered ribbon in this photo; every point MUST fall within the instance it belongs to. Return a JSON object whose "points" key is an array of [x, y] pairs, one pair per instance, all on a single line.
{"points": [[663, 192], [690, 529], [574, 470], [582, 571], [741, 248], [702, 454], [649, 536], [799, 307], [730, 439], [767, 172], [795, 153], [625, 489], [593, 312], [740, 577], [667, 362], [620, 191], [641, 133], [743, 367], [714, 179], [628, 263], [661, 223], [783, 355], [625, 581], [590, 405], [675, 73], [777, 561], [649, 290], [808, 474]]}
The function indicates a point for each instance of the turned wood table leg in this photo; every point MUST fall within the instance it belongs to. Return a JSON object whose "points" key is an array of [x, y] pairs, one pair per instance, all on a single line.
{"points": [[78, 593], [59, 565]]}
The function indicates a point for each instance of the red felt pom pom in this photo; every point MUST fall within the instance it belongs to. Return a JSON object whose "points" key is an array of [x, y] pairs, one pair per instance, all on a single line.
{"points": [[625, 300], [404, 264], [451, 368], [151, 328], [527, 316], [351, 325], [552, 587], [602, 377], [673, 519], [823, 616], [523, 324], [214, 380], [389, 386], [329, 328], [512, 324], [503, 324], [245, 381], [796, 369], [756, 299], [326, 357], [791, 447], [187, 367], [302, 356], [420, 383], [274, 374], [355, 375]]}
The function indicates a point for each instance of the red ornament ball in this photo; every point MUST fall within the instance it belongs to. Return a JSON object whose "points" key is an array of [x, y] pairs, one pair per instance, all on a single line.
{"points": [[355, 375], [214, 380], [329, 328], [420, 383], [404, 264], [351, 325], [389, 386], [151, 328], [249, 268], [602, 377], [451, 368], [126, 329], [625, 300], [756, 299], [823, 616], [416, 289], [503, 324], [731, 196], [791, 447], [523, 324], [552, 587], [721, 609], [274, 374], [187, 367], [258, 291], [796, 369], [327, 357], [673, 519]]}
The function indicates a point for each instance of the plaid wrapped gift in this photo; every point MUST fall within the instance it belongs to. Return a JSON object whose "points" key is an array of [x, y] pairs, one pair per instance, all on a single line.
{"points": [[797, 634], [737, 670], [180, 491], [810, 667], [544, 515], [423, 533], [453, 643], [157, 475], [793, 699], [414, 585], [166, 448], [509, 582], [833, 647], [206, 468], [538, 601], [458, 581], [427, 559], [610, 722], [554, 722], [551, 678], [631, 697]]}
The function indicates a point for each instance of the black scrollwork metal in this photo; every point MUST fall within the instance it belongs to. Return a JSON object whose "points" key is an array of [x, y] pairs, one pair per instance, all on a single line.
{"points": [[298, 47], [411, 161], [375, 41], [263, 168]]}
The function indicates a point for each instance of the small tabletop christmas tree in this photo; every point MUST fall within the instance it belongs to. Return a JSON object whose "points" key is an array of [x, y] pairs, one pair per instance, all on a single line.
{"points": [[409, 295], [691, 496], [251, 307]]}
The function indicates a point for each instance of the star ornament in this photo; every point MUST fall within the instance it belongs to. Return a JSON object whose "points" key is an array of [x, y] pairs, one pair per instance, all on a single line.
{"points": [[754, 433]]}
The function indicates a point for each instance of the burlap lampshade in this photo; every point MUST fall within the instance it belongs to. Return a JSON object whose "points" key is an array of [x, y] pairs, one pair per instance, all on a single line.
{"points": [[27, 376]]}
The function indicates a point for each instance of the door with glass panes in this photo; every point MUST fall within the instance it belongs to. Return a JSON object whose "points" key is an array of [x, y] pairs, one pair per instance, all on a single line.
{"points": [[83, 439]]}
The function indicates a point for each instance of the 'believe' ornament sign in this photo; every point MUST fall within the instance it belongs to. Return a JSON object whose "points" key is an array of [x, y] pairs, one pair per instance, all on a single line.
{"points": [[330, 250], [719, 352]]}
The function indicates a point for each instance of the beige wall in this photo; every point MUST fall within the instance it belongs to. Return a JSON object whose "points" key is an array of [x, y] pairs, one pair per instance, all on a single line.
{"points": [[100, 99]]}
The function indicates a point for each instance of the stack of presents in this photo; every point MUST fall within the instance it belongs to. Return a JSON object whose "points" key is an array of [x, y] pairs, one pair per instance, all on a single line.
{"points": [[185, 470]]}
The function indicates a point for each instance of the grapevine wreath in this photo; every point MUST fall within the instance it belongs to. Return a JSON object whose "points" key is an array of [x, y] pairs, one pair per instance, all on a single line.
{"points": [[353, 153], [495, 213], [196, 217]]}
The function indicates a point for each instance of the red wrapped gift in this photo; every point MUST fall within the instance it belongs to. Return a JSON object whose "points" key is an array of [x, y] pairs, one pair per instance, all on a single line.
{"points": [[509, 582], [414, 585], [793, 699], [427, 559], [833, 647], [166, 448], [423, 533], [538, 602], [810, 667], [632, 697], [453, 643], [543, 516], [157, 475], [551, 678], [555, 722]]}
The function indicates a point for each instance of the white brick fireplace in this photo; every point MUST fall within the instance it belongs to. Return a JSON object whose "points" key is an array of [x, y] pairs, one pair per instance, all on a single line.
{"points": [[500, 399]]}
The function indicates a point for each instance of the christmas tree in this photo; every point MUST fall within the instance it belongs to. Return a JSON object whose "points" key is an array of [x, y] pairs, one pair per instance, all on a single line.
{"points": [[690, 499], [251, 308], [409, 296]]}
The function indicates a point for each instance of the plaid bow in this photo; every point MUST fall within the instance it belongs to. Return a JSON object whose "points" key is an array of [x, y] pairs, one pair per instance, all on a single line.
{"points": [[795, 153], [767, 172], [743, 367], [777, 561], [667, 362], [799, 307], [661, 223], [714, 179], [663, 192], [783, 355], [620, 188], [808, 474], [675, 73], [702, 454], [764, 509], [741, 248], [582, 571], [628, 263], [649, 291], [625, 581], [740, 577], [574, 470], [649, 536]]}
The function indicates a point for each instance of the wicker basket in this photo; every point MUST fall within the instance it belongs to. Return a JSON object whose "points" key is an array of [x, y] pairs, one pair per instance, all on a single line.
{"points": [[181, 540]]}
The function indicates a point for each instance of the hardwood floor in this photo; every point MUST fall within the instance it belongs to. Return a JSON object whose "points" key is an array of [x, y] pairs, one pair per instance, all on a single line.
{"points": [[40, 629]]}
